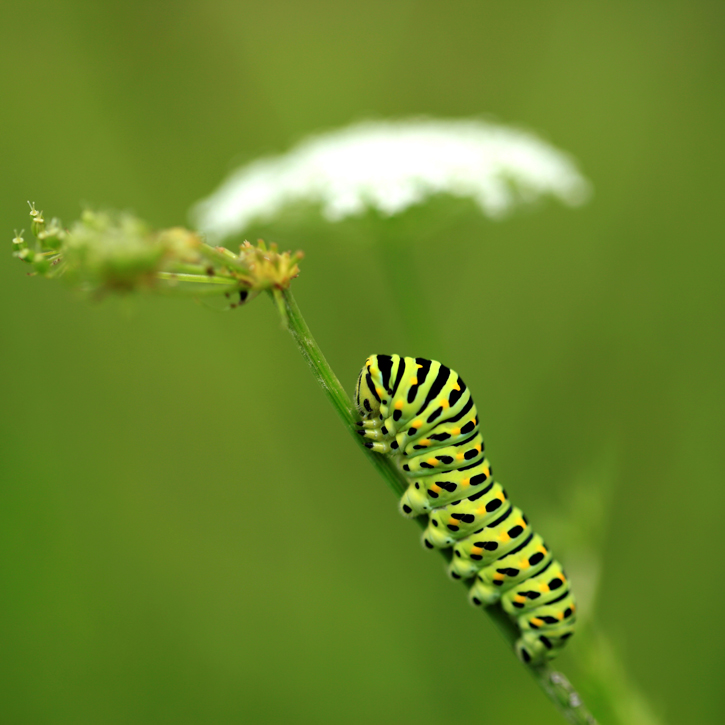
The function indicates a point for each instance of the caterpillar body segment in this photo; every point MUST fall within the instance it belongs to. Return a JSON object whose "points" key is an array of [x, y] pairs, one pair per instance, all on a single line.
{"points": [[487, 544], [422, 414], [427, 492]]}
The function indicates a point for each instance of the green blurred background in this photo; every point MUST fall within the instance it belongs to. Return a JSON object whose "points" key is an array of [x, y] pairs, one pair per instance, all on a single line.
{"points": [[134, 435]]}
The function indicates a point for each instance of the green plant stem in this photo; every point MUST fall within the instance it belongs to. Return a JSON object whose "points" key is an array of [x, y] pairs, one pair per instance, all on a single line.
{"points": [[202, 278], [554, 684]]}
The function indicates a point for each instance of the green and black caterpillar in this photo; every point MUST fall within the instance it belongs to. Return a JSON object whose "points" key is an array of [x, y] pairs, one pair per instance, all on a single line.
{"points": [[421, 413]]}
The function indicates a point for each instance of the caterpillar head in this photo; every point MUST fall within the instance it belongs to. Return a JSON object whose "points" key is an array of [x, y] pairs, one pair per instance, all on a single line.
{"points": [[366, 397]]}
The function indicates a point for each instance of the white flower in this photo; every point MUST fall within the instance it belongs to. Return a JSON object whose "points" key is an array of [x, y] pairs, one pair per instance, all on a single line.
{"points": [[390, 166]]}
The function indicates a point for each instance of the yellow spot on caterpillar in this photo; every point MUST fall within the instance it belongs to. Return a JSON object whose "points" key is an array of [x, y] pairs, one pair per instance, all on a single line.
{"points": [[379, 391], [398, 405], [498, 576], [414, 381], [432, 461], [466, 482], [519, 599], [476, 550], [435, 488], [504, 537], [560, 616], [537, 622], [424, 442], [472, 421], [443, 403], [543, 587], [524, 564], [419, 366], [487, 471], [573, 607], [416, 424], [481, 510], [456, 432], [457, 387], [521, 522], [459, 456], [453, 522], [478, 448], [543, 550]]}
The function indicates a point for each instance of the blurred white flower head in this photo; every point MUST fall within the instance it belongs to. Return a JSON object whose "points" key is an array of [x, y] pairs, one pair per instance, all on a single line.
{"points": [[392, 165]]}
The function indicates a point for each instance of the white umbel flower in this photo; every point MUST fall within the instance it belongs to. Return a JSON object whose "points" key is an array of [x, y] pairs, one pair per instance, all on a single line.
{"points": [[390, 166]]}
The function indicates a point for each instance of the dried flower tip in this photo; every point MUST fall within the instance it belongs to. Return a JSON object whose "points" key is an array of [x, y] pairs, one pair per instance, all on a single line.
{"points": [[268, 268]]}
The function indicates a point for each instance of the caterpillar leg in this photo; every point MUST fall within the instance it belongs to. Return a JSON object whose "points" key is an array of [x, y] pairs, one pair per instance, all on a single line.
{"points": [[481, 595], [374, 436], [537, 647], [435, 536], [529, 649], [459, 569], [414, 501]]}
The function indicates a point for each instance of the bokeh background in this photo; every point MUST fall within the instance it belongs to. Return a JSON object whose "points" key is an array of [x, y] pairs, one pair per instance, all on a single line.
{"points": [[135, 435]]}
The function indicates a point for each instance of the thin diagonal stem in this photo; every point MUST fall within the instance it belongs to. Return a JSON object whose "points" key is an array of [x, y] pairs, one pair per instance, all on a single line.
{"points": [[198, 278], [554, 684]]}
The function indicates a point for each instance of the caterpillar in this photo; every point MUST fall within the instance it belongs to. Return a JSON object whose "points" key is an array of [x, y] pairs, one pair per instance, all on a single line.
{"points": [[421, 413]]}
